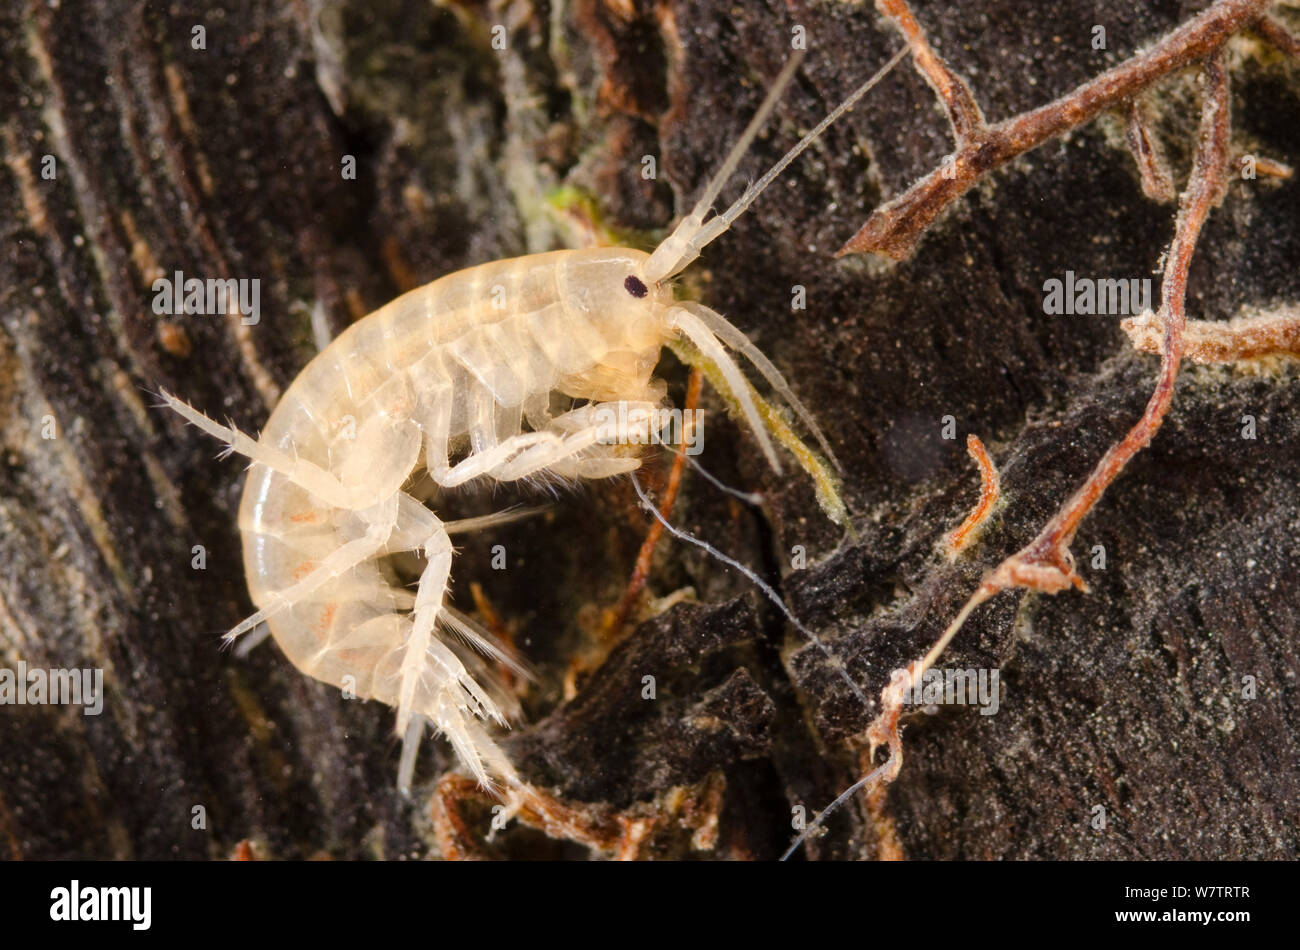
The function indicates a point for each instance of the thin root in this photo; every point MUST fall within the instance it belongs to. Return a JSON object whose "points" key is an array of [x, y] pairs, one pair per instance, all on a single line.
{"points": [[990, 490], [1045, 565], [1247, 338]]}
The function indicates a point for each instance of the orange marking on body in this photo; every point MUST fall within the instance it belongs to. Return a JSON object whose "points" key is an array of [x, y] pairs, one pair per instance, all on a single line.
{"points": [[327, 618]]}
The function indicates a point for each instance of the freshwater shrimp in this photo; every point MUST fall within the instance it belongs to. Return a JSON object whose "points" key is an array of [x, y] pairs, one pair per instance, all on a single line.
{"points": [[457, 378]]}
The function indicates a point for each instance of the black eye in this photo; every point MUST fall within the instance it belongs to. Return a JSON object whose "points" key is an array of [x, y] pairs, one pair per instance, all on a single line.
{"points": [[635, 287]]}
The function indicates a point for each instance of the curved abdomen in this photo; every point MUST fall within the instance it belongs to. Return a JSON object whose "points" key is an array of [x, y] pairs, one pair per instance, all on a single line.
{"points": [[478, 349]]}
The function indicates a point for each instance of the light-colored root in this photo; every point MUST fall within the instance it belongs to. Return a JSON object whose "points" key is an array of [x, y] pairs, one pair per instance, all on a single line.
{"points": [[882, 731], [1252, 337], [884, 728], [758, 582], [748, 497]]}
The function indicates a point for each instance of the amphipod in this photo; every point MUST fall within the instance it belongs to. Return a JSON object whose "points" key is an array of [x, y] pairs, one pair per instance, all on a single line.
{"points": [[457, 378]]}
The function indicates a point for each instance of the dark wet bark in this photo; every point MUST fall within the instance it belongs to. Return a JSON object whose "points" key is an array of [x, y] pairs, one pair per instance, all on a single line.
{"points": [[226, 163]]}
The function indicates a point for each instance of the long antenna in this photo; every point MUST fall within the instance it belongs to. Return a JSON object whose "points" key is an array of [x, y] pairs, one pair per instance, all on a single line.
{"points": [[720, 177], [757, 188], [681, 247]]}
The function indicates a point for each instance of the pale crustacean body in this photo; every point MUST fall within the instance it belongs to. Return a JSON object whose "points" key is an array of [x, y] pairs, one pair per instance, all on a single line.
{"points": [[460, 378]]}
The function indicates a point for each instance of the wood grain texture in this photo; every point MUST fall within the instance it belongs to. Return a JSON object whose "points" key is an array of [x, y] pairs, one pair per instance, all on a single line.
{"points": [[225, 162]]}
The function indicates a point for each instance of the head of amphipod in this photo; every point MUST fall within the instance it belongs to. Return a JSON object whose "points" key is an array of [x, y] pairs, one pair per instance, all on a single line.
{"points": [[612, 290], [630, 292], [627, 295]]}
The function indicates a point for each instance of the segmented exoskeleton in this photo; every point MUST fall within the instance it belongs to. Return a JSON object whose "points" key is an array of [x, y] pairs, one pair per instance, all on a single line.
{"points": [[457, 377]]}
